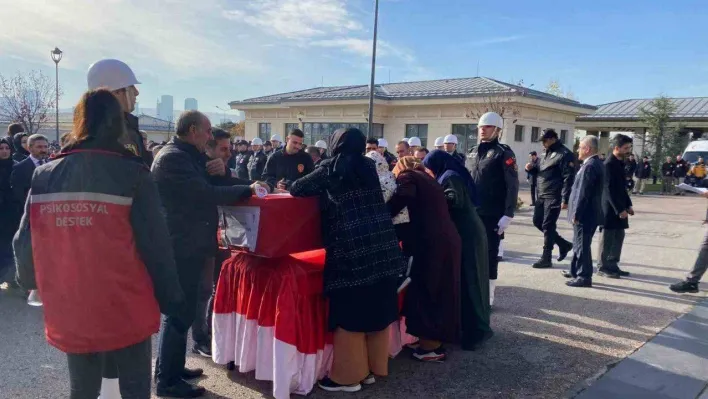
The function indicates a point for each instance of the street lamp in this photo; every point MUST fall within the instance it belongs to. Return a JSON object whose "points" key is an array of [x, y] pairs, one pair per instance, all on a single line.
{"points": [[373, 72], [56, 57]]}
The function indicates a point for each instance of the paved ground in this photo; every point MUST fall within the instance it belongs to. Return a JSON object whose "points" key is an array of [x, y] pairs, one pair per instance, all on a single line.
{"points": [[549, 340]]}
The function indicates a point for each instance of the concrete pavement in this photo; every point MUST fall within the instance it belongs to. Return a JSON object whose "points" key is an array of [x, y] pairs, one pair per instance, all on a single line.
{"points": [[551, 340]]}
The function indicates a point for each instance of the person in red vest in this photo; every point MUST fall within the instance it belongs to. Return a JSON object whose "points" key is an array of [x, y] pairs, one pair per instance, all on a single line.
{"points": [[111, 269]]}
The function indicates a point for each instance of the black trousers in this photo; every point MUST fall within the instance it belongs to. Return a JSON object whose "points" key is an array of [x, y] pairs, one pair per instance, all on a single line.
{"points": [[581, 265], [533, 193], [493, 239], [132, 364], [611, 241], [172, 350], [201, 331], [545, 218]]}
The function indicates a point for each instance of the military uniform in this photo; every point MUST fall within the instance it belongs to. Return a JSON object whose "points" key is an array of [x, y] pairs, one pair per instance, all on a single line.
{"points": [[495, 173], [256, 165], [555, 181], [132, 140], [242, 160]]}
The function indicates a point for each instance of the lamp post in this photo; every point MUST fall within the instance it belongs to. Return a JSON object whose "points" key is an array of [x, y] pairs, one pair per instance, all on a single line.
{"points": [[373, 72], [56, 57], [223, 120]]}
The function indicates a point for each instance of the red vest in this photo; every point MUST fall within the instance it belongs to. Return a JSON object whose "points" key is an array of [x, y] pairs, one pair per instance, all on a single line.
{"points": [[97, 293]]}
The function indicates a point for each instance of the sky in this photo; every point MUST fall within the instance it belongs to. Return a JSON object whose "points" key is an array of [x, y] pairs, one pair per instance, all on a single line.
{"points": [[224, 50]]}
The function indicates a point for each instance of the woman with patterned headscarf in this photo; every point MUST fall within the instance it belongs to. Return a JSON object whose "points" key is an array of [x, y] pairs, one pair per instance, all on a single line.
{"points": [[388, 184], [362, 263], [432, 301]]}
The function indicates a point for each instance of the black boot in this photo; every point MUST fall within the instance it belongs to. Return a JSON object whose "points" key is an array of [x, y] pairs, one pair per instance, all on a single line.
{"points": [[563, 248], [544, 262]]}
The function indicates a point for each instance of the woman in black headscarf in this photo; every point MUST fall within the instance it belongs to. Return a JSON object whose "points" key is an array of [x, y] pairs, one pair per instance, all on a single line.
{"points": [[20, 151], [362, 263], [461, 196], [7, 215]]}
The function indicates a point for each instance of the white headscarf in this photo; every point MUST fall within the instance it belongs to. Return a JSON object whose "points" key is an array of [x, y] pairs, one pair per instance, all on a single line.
{"points": [[388, 184]]}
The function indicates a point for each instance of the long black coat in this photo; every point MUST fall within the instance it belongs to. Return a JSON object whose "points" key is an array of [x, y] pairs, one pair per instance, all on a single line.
{"points": [[189, 199], [615, 198]]}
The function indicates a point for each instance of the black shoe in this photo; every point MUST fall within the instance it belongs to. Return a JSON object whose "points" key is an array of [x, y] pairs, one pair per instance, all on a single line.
{"points": [[202, 350], [182, 389], [331, 386], [563, 251], [608, 274], [622, 273], [478, 342], [190, 374], [543, 263], [684, 287], [435, 356], [567, 274], [579, 282]]}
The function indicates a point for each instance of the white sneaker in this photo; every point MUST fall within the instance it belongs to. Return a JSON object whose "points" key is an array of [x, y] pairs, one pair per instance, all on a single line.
{"points": [[492, 286]]}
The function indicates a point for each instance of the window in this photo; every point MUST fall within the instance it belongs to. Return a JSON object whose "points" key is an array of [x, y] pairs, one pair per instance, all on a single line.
{"points": [[564, 134], [466, 137], [322, 131], [519, 133], [420, 131], [534, 134], [289, 128], [264, 131]]}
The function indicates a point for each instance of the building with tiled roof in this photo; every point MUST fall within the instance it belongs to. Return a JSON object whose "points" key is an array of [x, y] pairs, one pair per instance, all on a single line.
{"points": [[427, 109]]}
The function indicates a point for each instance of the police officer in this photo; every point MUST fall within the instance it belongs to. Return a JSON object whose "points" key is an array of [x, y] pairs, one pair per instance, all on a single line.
{"points": [[242, 159], [116, 76], [258, 160], [555, 180], [493, 168], [532, 174]]}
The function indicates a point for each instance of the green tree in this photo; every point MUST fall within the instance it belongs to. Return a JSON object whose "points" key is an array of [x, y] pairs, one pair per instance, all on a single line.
{"points": [[663, 137]]}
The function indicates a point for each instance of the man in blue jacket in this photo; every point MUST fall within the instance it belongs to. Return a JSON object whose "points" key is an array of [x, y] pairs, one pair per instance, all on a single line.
{"points": [[585, 212]]}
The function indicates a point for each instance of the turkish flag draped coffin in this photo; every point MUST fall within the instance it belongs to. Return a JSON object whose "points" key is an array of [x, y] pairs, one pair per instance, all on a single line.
{"points": [[274, 226], [270, 316]]}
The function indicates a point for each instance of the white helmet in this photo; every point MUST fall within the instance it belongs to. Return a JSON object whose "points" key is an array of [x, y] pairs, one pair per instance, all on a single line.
{"points": [[321, 144], [111, 74], [439, 142], [414, 142], [383, 143], [450, 139], [276, 137], [257, 141], [491, 119], [405, 139]]}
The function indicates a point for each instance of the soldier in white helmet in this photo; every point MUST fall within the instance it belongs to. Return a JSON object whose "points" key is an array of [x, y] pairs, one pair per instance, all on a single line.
{"points": [[439, 143], [493, 168], [323, 149], [415, 144], [116, 76], [258, 160], [383, 150], [450, 145], [276, 141]]}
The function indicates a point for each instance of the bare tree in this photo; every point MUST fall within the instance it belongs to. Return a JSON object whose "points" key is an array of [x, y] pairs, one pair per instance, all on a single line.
{"points": [[504, 104], [27, 99], [554, 87]]}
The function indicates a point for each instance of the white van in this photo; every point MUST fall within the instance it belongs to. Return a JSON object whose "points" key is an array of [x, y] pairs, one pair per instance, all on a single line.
{"points": [[695, 149]]}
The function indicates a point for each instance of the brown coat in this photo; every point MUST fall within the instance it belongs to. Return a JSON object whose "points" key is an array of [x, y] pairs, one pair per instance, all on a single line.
{"points": [[432, 302]]}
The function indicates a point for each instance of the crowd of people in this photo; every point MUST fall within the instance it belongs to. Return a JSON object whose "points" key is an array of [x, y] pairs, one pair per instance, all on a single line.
{"points": [[143, 216]]}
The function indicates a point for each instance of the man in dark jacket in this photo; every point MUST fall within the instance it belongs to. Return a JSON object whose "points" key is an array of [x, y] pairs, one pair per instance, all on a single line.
{"points": [[667, 176], [616, 207], [242, 159], [189, 203], [12, 130], [585, 211], [555, 180], [532, 174], [21, 177], [643, 174], [630, 168], [258, 160], [288, 164], [495, 173], [680, 171]]}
